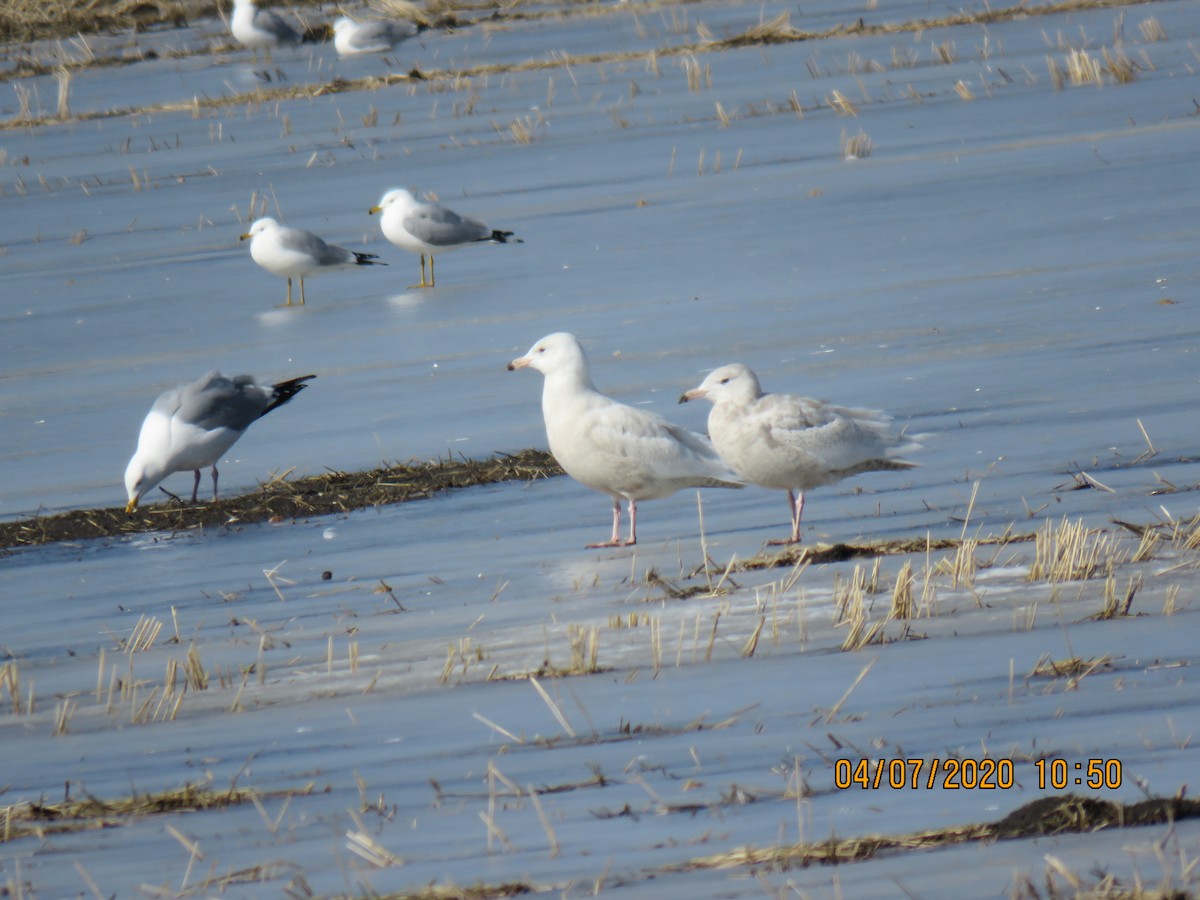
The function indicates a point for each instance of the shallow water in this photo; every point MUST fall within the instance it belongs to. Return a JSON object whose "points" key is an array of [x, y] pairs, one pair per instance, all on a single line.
{"points": [[1012, 275]]}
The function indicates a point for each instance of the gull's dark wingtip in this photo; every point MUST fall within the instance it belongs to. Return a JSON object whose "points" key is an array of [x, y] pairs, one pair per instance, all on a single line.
{"points": [[285, 391]]}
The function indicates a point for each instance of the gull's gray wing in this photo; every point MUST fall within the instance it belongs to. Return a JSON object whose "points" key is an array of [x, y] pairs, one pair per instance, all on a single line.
{"points": [[378, 33], [215, 401], [271, 22], [441, 227], [310, 245]]}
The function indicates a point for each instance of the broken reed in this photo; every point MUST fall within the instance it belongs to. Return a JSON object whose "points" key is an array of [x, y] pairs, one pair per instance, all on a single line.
{"points": [[149, 702], [1079, 67], [1186, 535], [1072, 552], [962, 565], [852, 609], [119, 688], [10, 683], [1118, 603], [856, 146]]}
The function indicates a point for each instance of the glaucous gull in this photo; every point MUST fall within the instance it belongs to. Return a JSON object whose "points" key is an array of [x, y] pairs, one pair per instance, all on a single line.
{"points": [[791, 443], [621, 451]]}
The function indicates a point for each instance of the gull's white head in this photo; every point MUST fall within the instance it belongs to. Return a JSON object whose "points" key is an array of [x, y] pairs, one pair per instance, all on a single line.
{"points": [[396, 198], [555, 352], [140, 477], [260, 226], [735, 383]]}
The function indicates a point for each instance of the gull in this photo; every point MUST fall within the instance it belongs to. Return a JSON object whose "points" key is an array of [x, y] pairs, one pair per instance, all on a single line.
{"points": [[295, 253], [781, 441], [616, 449], [191, 427], [428, 229], [260, 29], [351, 37]]}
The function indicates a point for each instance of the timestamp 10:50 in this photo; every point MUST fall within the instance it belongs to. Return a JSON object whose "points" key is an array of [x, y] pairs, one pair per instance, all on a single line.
{"points": [[1059, 774]]}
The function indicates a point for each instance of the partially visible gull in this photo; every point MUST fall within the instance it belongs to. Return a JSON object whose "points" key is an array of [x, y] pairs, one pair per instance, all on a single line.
{"points": [[791, 443], [260, 29], [295, 253], [191, 427], [351, 38], [428, 229], [621, 451]]}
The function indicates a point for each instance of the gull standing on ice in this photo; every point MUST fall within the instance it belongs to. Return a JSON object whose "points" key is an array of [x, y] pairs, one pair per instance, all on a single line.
{"points": [[191, 427], [791, 443], [613, 448], [295, 253], [428, 229], [260, 29], [351, 38]]}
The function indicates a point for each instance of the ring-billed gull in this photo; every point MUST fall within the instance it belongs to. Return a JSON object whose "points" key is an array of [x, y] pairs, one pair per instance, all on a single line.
{"points": [[260, 29], [616, 449], [351, 38], [295, 253], [428, 229], [791, 443], [191, 427]]}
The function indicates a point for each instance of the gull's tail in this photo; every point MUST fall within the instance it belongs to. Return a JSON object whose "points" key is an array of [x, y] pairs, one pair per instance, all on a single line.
{"points": [[285, 391], [362, 259], [501, 237]]}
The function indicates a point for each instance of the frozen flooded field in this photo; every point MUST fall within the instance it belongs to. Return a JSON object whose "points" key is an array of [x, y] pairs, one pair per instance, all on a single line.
{"points": [[453, 692]]}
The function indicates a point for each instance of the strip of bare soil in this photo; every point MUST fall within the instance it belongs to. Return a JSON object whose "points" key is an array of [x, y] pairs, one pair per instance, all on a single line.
{"points": [[281, 499]]}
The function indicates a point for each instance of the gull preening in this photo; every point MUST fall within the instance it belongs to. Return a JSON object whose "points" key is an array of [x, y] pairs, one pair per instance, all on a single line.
{"points": [[260, 29], [791, 443], [616, 449], [428, 229], [295, 253], [191, 427], [351, 38]]}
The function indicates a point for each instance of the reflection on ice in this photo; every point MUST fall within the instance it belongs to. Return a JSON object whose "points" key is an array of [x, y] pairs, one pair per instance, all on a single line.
{"points": [[1014, 321]]}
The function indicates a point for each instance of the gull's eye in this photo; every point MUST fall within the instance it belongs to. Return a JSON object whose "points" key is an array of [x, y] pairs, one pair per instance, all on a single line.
{"points": [[724, 381]]}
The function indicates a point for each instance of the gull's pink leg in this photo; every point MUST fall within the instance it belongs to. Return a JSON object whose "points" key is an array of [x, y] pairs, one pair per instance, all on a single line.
{"points": [[615, 540], [799, 504], [214, 482], [195, 485], [632, 523], [795, 510]]}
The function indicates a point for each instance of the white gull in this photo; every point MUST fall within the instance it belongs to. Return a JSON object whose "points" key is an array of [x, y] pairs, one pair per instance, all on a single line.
{"points": [[791, 443], [616, 449]]}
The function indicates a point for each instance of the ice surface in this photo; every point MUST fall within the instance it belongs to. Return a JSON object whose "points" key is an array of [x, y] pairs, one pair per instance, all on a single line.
{"points": [[1014, 274]]}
